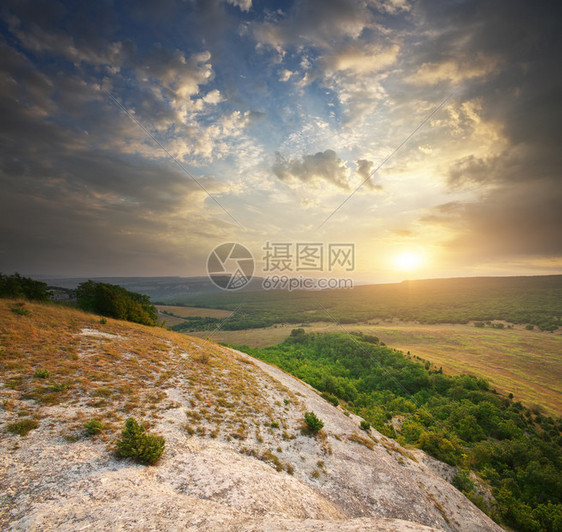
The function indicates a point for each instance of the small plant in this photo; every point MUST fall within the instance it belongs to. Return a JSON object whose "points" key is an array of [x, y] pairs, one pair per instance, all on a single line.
{"points": [[20, 311], [365, 425], [313, 423], [331, 398], [103, 321], [275, 424], [56, 387], [271, 458], [42, 373], [136, 443], [93, 427], [23, 427]]}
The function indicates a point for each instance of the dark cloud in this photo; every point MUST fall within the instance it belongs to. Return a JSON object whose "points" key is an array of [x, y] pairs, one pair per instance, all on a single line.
{"points": [[322, 166], [518, 209], [317, 22], [471, 170], [507, 222], [83, 187]]}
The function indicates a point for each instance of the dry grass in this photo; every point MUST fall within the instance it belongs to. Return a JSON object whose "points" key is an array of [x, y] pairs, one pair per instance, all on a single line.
{"points": [[361, 440], [118, 369]]}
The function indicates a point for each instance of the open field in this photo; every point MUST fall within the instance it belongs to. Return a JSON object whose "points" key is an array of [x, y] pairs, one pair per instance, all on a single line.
{"points": [[189, 312], [526, 363]]}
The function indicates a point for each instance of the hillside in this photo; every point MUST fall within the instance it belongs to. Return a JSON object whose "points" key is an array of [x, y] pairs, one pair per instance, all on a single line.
{"points": [[235, 456]]}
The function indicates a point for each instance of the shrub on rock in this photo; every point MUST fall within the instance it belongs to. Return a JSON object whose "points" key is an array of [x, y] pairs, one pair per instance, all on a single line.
{"points": [[138, 444]]}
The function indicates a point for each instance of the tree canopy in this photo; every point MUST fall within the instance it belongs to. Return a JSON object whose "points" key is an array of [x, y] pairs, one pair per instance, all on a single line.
{"points": [[116, 302], [15, 286]]}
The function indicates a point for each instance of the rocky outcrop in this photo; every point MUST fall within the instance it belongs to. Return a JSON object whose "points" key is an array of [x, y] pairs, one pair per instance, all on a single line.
{"points": [[235, 456]]}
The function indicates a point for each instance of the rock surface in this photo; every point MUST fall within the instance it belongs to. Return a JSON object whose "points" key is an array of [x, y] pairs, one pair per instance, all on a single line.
{"points": [[245, 466]]}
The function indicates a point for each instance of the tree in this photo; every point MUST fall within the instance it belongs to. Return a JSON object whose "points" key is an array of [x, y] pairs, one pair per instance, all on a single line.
{"points": [[16, 286]]}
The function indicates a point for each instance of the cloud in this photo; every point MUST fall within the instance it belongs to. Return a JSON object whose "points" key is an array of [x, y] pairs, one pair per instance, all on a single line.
{"points": [[314, 22], [180, 75], [361, 59], [392, 7], [453, 71], [46, 41], [364, 169], [471, 170], [507, 222], [244, 5], [321, 167], [84, 188], [285, 75]]}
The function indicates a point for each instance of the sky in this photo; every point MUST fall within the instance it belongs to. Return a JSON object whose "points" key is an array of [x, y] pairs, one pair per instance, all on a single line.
{"points": [[137, 136]]}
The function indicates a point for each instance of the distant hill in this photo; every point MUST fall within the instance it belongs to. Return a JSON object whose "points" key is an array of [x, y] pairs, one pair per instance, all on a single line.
{"points": [[159, 289], [235, 456], [524, 300]]}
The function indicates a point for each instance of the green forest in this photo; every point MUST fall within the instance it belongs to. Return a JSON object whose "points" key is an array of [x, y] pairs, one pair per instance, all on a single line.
{"points": [[457, 419], [535, 301]]}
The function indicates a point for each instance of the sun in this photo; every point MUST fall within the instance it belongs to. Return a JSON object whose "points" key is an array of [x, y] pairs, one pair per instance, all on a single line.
{"points": [[408, 260]]}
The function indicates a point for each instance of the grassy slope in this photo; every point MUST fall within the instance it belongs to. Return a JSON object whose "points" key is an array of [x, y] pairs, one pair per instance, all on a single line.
{"points": [[114, 376]]}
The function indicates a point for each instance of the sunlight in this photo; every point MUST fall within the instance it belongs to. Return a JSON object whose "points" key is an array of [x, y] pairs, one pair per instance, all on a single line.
{"points": [[408, 260]]}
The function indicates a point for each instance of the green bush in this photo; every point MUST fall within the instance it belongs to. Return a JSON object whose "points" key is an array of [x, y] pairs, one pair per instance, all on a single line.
{"points": [[41, 373], [463, 482], [365, 425], [93, 427], [331, 398], [137, 444], [313, 424], [23, 427]]}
